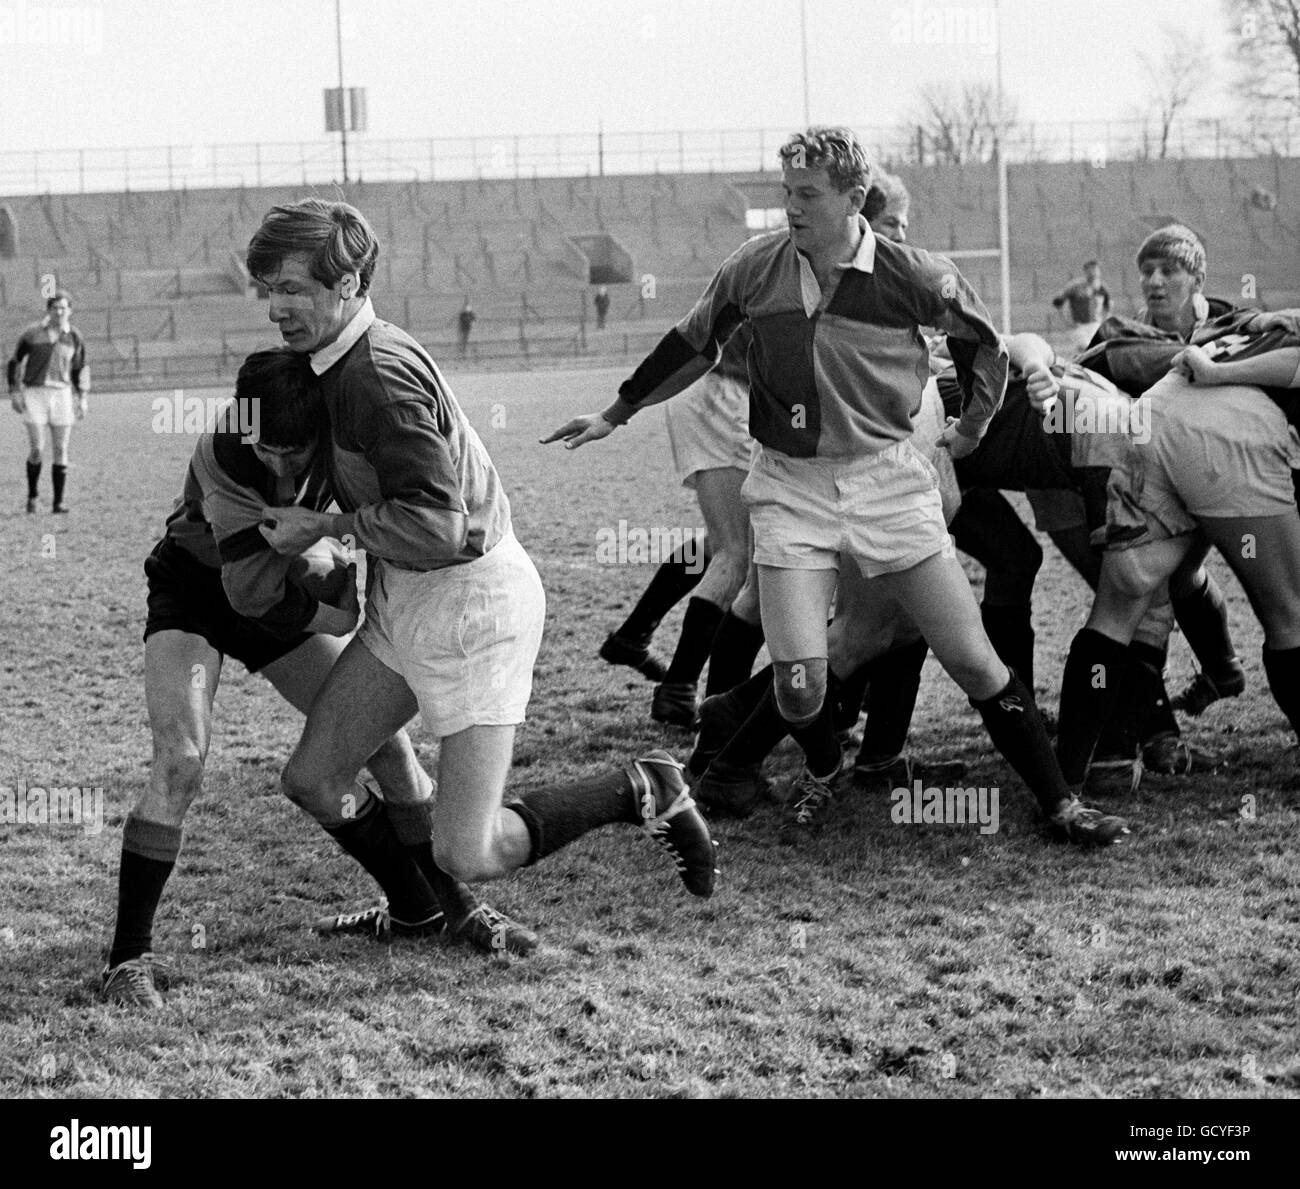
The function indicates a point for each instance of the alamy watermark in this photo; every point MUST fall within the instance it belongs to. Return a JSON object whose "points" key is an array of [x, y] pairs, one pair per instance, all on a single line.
{"points": [[179, 413], [945, 807], [945, 24], [636, 546], [1076, 412], [56, 805]]}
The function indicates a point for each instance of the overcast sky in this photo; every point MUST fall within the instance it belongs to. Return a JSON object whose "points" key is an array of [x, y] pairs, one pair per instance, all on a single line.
{"points": [[150, 72]]}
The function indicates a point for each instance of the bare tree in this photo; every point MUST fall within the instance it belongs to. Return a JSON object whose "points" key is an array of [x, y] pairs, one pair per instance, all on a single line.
{"points": [[1175, 79], [1264, 36], [959, 126]]}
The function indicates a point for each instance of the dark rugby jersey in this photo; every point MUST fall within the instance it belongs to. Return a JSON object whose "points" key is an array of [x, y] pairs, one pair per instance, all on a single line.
{"points": [[835, 374], [51, 357], [216, 521], [415, 482]]}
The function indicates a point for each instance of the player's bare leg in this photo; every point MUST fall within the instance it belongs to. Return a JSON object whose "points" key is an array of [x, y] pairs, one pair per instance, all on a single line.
{"points": [[352, 721], [478, 837], [1264, 554], [35, 453], [726, 519], [181, 676], [795, 605]]}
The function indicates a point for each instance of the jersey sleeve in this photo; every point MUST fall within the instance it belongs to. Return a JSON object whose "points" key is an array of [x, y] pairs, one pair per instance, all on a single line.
{"points": [[949, 304], [421, 515], [693, 346], [254, 576]]}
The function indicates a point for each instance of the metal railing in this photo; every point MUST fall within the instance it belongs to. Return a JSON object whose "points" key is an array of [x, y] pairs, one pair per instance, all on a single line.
{"points": [[202, 166]]}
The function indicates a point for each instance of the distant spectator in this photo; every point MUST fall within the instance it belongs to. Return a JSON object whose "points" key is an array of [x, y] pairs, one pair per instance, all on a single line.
{"points": [[1089, 302], [465, 323], [601, 302]]}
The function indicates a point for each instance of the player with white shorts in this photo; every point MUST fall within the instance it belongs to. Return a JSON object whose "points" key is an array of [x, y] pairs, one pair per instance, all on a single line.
{"points": [[49, 383]]}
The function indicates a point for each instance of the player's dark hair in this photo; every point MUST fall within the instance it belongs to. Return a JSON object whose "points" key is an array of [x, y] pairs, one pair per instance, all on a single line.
{"points": [[57, 296], [885, 188], [334, 236], [1178, 245], [833, 149], [1091, 264], [287, 396]]}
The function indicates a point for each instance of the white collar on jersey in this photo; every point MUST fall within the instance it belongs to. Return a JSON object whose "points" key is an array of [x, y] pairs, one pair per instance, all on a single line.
{"points": [[327, 357]]}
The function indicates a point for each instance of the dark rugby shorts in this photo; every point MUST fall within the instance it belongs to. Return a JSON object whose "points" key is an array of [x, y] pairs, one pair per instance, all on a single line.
{"points": [[187, 596]]}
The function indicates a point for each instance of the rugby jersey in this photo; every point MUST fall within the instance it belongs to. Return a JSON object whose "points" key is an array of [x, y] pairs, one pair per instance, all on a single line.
{"points": [[833, 375], [415, 482], [216, 522], [53, 357]]}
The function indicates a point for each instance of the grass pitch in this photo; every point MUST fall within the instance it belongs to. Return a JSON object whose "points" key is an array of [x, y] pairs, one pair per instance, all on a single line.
{"points": [[875, 959]]}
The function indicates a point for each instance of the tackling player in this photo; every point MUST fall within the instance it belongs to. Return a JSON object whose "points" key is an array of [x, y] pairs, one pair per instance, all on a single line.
{"points": [[455, 608]]}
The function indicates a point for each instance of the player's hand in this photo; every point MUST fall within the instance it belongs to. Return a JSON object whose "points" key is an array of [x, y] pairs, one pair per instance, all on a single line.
{"points": [[18, 400], [580, 431], [293, 530], [954, 441], [1195, 366], [1288, 320], [81, 408], [1042, 387]]}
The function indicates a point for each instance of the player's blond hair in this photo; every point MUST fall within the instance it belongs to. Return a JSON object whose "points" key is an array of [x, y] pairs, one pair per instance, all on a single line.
{"points": [[833, 149]]}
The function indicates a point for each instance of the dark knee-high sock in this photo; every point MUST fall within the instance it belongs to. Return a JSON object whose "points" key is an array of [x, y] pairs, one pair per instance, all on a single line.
{"points": [[699, 627], [673, 581], [413, 825], [33, 479], [59, 475], [1096, 675], [735, 646], [891, 700], [557, 815], [149, 852], [1010, 630], [1282, 665], [853, 693], [1016, 728], [762, 730], [371, 840], [1156, 716], [821, 747], [1203, 617]]}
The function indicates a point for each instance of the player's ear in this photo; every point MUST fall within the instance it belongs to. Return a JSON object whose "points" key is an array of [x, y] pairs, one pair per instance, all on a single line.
{"points": [[349, 286]]}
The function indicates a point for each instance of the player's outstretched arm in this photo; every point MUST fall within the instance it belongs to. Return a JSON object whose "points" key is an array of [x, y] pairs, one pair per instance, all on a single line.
{"points": [[590, 427]]}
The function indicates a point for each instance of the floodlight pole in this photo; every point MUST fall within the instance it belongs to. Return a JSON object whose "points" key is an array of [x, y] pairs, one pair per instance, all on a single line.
{"points": [[803, 42], [1004, 229], [343, 98]]}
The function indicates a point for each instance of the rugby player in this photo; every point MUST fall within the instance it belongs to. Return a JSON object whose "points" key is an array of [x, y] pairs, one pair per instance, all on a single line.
{"points": [[454, 608], [1216, 472], [837, 370], [48, 366], [216, 590]]}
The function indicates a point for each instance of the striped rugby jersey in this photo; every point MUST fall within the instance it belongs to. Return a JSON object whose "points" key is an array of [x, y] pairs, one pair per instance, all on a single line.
{"points": [[834, 375], [53, 357], [216, 521], [413, 478]]}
